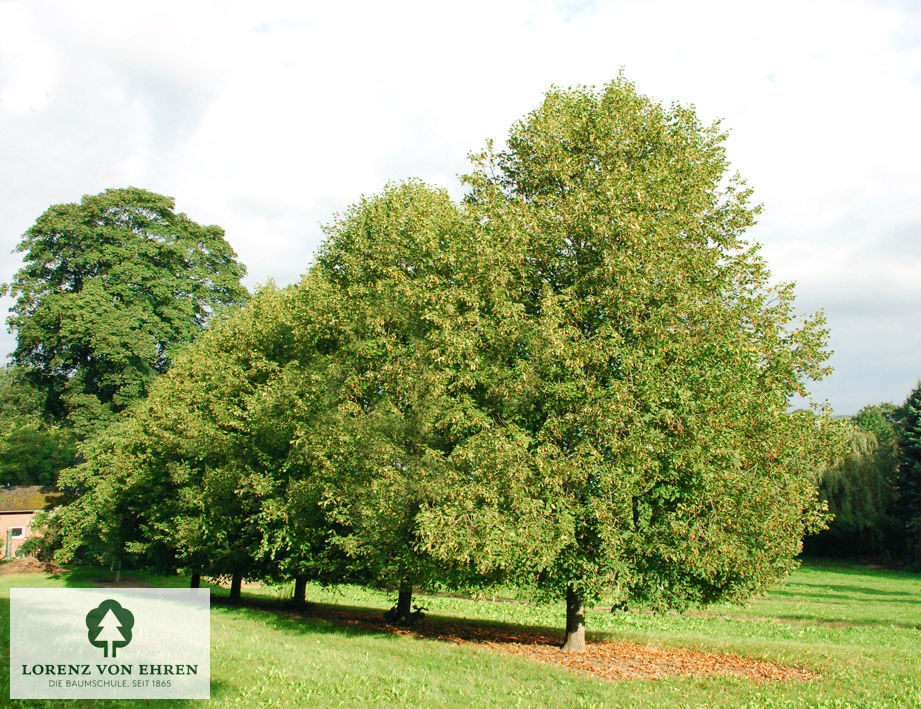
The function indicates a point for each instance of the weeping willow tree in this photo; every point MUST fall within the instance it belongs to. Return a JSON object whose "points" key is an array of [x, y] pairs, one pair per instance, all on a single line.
{"points": [[860, 491]]}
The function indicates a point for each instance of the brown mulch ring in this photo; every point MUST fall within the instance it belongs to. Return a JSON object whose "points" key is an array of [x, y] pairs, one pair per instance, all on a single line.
{"points": [[601, 660], [29, 565], [620, 660]]}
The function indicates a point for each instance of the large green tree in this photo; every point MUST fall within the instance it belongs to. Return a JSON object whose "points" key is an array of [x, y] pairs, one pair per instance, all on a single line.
{"points": [[110, 290], [637, 371], [398, 354], [172, 483], [202, 476], [579, 382]]}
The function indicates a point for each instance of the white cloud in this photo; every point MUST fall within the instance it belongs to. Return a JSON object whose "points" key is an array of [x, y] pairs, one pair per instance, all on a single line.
{"points": [[267, 119]]}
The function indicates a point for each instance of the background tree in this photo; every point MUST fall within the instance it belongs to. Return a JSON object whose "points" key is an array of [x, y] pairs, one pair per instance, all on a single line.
{"points": [[638, 370], [882, 420], [32, 450], [909, 474], [111, 289], [861, 489], [861, 492]]}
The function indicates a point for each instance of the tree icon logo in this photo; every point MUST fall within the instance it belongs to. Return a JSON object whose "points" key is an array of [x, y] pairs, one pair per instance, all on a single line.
{"points": [[109, 626]]}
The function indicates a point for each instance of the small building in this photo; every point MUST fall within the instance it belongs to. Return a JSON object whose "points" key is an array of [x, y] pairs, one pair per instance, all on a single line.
{"points": [[18, 507]]}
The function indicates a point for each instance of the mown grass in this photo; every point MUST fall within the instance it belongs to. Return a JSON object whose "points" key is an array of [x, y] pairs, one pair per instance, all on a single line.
{"points": [[859, 628]]}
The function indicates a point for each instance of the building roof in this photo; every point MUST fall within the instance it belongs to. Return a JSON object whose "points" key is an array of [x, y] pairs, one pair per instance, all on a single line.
{"points": [[22, 498]]}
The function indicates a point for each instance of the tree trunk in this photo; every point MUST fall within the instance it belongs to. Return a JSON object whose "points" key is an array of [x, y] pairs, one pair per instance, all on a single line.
{"points": [[575, 622], [196, 581], [404, 602], [236, 583], [118, 572], [300, 590]]}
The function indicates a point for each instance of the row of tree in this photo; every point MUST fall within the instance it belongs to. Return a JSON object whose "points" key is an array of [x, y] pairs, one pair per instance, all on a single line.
{"points": [[575, 382], [874, 490]]}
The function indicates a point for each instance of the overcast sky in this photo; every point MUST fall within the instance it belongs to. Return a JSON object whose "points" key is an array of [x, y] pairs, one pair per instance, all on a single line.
{"points": [[268, 118]]}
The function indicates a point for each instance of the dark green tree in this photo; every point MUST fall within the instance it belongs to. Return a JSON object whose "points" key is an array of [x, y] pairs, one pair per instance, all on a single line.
{"points": [[32, 450], [110, 290], [909, 475], [861, 492]]}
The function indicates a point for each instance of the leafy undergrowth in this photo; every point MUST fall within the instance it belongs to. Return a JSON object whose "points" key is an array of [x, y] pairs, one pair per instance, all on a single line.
{"points": [[858, 628]]}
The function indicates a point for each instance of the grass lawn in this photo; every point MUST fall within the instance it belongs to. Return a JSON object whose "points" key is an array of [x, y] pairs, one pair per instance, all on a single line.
{"points": [[860, 629]]}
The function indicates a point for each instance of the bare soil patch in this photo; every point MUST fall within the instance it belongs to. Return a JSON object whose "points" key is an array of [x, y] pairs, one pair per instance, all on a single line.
{"points": [[602, 659], [29, 565]]}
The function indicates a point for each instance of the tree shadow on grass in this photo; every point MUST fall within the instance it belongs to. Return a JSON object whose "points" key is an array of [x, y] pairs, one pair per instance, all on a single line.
{"points": [[103, 577], [864, 571], [840, 597], [603, 659], [864, 592], [330, 618], [811, 619]]}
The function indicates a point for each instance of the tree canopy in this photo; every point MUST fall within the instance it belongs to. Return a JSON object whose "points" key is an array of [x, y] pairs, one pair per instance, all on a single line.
{"points": [[110, 290], [399, 352], [642, 446], [576, 382], [178, 481]]}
